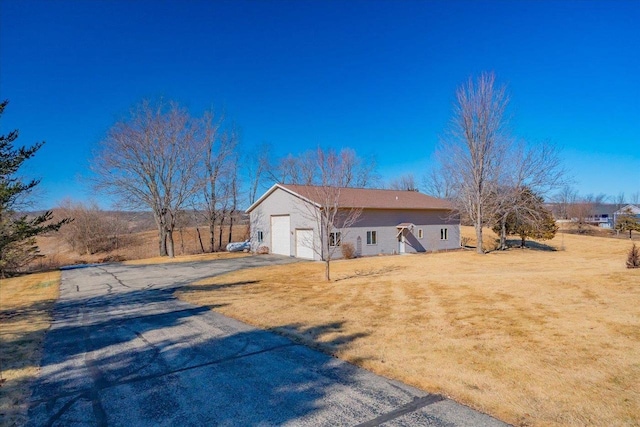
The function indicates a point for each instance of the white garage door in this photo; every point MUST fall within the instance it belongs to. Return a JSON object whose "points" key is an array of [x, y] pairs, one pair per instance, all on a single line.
{"points": [[280, 240], [304, 244]]}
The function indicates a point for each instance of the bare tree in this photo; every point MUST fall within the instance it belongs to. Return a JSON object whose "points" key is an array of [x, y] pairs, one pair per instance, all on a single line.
{"points": [[439, 184], [619, 200], [149, 160], [219, 150], [357, 172], [92, 230], [329, 209], [287, 170], [563, 200], [256, 166], [305, 169], [474, 152], [635, 198], [232, 196], [404, 182]]}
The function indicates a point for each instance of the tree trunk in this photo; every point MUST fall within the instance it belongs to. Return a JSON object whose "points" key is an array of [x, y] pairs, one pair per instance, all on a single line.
{"points": [[212, 237], [230, 228], [523, 238], [200, 240], [220, 238], [503, 234], [220, 231], [327, 274], [479, 239], [170, 246], [479, 229], [162, 242], [181, 241]]}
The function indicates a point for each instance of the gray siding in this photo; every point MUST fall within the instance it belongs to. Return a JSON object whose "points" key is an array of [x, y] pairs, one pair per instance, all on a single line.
{"points": [[383, 222], [282, 203]]}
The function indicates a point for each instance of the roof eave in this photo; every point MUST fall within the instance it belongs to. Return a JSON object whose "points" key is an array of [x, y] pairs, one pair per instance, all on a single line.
{"points": [[273, 188]]}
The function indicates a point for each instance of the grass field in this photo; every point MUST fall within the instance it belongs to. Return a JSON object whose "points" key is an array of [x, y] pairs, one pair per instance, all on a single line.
{"points": [[533, 337], [135, 246], [25, 316]]}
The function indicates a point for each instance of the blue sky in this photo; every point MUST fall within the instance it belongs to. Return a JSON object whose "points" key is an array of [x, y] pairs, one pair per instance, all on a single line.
{"points": [[379, 77]]}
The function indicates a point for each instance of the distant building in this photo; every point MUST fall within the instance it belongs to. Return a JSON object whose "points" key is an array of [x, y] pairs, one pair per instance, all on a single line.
{"points": [[598, 214], [629, 209]]}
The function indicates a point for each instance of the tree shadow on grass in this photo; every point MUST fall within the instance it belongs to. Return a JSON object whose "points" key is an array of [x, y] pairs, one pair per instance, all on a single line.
{"points": [[328, 338], [217, 287], [531, 244]]}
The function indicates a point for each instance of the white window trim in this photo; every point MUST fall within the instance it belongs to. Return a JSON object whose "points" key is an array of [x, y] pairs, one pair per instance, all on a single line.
{"points": [[444, 234], [260, 236], [337, 237], [374, 237], [420, 233]]}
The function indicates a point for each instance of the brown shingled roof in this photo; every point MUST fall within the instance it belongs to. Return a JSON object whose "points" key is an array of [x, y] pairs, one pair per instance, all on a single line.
{"points": [[373, 199]]}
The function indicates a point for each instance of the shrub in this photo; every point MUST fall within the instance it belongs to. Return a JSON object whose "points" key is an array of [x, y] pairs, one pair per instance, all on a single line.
{"points": [[262, 250], [348, 251], [633, 257]]}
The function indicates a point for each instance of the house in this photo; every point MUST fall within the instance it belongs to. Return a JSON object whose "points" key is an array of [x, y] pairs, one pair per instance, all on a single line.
{"points": [[592, 213], [631, 210], [287, 220]]}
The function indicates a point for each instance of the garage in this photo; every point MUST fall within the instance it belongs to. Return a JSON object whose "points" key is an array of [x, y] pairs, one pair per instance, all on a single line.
{"points": [[304, 244], [280, 235]]}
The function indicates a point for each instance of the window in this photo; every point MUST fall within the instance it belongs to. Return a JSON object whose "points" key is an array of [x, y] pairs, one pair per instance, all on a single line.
{"points": [[334, 239], [420, 234], [372, 237], [444, 235], [260, 237]]}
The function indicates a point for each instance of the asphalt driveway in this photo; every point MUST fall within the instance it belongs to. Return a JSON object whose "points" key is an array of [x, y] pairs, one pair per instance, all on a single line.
{"points": [[123, 351]]}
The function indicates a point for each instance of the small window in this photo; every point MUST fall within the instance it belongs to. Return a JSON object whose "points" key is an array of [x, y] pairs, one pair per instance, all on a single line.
{"points": [[372, 237], [260, 237], [444, 235], [420, 233], [335, 239]]}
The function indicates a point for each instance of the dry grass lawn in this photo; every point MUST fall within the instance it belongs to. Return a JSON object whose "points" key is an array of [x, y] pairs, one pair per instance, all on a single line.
{"points": [[25, 316], [134, 246], [532, 337]]}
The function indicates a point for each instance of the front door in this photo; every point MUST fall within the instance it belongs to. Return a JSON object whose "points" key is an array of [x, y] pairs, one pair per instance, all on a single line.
{"points": [[401, 242]]}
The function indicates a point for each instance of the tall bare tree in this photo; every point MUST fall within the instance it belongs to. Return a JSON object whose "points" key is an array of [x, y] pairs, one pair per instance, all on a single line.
{"points": [[149, 161], [256, 166], [219, 148], [474, 152]]}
